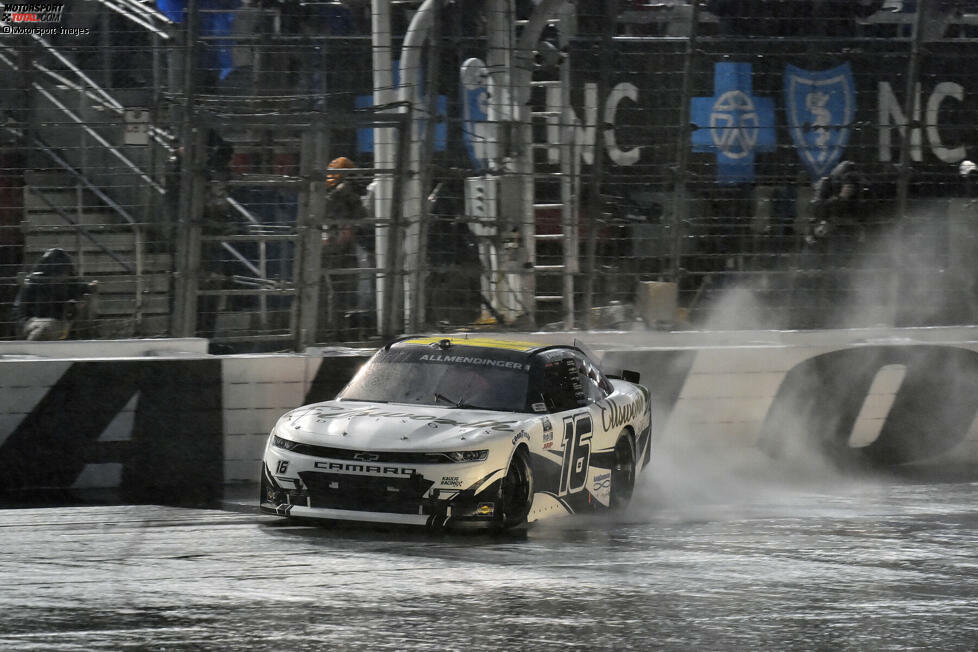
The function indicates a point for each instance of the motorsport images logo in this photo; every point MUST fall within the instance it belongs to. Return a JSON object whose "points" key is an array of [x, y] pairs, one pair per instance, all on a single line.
{"points": [[35, 18]]}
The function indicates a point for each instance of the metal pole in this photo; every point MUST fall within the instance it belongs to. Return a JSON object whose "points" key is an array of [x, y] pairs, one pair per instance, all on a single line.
{"points": [[499, 46], [79, 194], [105, 43], [308, 261], [594, 197], [417, 314], [498, 50], [392, 324], [680, 200], [409, 91], [191, 194], [910, 107], [385, 152], [26, 115]]}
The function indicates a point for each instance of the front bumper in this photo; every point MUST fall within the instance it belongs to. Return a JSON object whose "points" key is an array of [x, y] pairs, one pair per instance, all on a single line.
{"points": [[408, 500]]}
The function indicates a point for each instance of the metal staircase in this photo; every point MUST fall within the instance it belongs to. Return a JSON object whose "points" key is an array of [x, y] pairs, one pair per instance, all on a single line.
{"points": [[553, 251], [86, 191]]}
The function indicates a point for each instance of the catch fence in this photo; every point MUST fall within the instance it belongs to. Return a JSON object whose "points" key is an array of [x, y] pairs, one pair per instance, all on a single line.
{"points": [[550, 165]]}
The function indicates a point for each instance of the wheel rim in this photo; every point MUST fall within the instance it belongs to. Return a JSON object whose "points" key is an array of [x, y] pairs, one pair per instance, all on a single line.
{"points": [[515, 492], [622, 473]]}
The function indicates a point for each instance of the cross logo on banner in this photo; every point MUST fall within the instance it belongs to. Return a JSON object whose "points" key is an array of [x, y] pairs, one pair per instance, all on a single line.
{"points": [[733, 123]]}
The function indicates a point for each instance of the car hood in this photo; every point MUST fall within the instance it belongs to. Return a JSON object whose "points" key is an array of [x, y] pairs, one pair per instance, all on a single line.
{"points": [[396, 427]]}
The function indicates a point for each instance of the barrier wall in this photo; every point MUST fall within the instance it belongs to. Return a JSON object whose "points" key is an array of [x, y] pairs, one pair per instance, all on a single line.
{"points": [[259, 389], [882, 399], [178, 426], [150, 428]]}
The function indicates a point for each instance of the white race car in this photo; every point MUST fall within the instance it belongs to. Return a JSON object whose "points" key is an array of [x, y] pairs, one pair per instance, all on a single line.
{"points": [[457, 432]]}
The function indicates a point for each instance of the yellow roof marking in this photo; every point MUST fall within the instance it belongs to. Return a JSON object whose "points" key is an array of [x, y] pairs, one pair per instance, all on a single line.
{"points": [[510, 345]]}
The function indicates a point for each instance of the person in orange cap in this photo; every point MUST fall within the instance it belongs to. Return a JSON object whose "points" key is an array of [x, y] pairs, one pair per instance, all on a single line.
{"points": [[335, 179], [344, 210], [348, 242]]}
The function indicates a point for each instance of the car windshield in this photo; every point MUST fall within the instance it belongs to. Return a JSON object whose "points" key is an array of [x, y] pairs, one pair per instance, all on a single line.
{"points": [[466, 378]]}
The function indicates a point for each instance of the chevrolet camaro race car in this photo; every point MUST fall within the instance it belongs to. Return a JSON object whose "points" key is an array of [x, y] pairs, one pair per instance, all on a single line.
{"points": [[456, 432]]}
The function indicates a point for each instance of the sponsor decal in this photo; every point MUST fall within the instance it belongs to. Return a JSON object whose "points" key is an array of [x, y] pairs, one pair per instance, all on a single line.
{"points": [[548, 444], [821, 107], [893, 120], [521, 436], [615, 414], [348, 467], [451, 481], [602, 482], [548, 436], [465, 359], [539, 407], [500, 426], [733, 123], [547, 426]]}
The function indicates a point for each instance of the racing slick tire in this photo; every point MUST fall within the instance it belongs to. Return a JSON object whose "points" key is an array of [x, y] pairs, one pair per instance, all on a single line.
{"points": [[623, 472], [516, 492]]}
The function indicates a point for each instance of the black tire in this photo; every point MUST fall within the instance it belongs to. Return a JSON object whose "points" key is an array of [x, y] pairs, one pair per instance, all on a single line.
{"points": [[622, 472], [516, 492]]}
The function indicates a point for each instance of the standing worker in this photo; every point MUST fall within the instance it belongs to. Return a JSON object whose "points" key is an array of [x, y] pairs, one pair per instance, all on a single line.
{"points": [[348, 244], [835, 234]]}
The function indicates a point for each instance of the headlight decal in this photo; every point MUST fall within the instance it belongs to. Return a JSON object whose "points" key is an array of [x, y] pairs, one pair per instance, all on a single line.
{"points": [[286, 444], [469, 456]]}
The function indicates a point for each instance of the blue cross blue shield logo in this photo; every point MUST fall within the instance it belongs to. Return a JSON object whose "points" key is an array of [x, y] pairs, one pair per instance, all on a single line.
{"points": [[821, 105], [733, 123]]}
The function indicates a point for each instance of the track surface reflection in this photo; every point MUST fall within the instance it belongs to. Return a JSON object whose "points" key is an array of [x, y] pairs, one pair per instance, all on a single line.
{"points": [[887, 565]]}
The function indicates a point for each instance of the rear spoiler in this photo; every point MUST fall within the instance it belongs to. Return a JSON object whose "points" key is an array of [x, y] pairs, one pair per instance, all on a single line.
{"points": [[625, 374]]}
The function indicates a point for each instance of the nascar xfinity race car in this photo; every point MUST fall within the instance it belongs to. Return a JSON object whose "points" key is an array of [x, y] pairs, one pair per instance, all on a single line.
{"points": [[454, 432]]}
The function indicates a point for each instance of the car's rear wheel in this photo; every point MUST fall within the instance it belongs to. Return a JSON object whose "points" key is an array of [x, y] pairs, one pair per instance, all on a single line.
{"points": [[623, 472], [516, 491]]}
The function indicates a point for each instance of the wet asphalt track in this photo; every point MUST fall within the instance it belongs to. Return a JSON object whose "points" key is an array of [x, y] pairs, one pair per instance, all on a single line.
{"points": [[721, 560]]}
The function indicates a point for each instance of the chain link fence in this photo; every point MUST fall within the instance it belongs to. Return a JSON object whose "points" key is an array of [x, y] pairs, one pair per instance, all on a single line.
{"points": [[508, 165]]}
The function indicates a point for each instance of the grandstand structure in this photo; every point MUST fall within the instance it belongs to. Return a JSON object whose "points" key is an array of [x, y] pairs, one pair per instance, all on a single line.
{"points": [[522, 165]]}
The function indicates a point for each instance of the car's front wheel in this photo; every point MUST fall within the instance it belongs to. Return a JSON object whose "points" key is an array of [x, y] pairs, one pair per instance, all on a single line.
{"points": [[516, 491], [623, 472]]}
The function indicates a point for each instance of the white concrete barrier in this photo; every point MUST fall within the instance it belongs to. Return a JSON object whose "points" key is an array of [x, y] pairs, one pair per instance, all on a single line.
{"points": [[100, 349], [91, 419]]}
